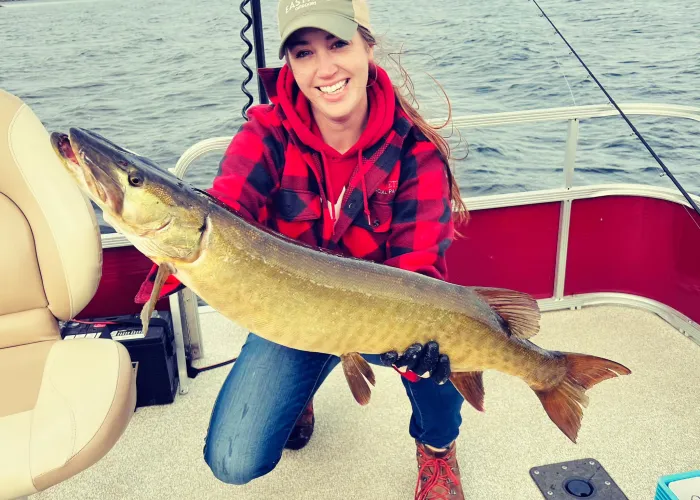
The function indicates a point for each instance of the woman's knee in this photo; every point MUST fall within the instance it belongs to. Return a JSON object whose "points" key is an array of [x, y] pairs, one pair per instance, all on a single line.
{"points": [[237, 466]]}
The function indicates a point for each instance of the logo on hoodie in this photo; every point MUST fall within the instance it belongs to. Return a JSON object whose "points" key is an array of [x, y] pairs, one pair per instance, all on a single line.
{"points": [[388, 187]]}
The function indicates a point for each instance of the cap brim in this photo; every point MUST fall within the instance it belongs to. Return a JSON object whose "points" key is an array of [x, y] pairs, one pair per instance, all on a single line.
{"points": [[335, 24]]}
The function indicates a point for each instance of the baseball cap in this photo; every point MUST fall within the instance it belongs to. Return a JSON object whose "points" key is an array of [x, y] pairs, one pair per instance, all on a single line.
{"points": [[338, 17]]}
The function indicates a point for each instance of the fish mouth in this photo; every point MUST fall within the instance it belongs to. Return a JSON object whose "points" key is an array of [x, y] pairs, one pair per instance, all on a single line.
{"points": [[63, 147], [95, 177]]}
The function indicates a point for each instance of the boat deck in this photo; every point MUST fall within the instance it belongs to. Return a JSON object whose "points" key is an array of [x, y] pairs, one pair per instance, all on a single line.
{"points": [[639, 427]]}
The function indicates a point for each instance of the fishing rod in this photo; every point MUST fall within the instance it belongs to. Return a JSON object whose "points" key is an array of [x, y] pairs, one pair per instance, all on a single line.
{"points": [[624, 116]]}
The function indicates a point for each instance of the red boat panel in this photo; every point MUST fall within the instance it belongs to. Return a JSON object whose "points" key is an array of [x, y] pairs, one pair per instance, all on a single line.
{"points": [[635, 245], [123, 271], [512, 247], [641, 246]]}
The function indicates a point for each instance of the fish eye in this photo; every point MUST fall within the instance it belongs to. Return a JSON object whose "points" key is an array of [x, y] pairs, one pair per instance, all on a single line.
{"points": [[135, 180], [123, 163]]}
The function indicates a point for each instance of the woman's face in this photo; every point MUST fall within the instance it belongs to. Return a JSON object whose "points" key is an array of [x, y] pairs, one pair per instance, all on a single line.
{"points": [[332, 73]]}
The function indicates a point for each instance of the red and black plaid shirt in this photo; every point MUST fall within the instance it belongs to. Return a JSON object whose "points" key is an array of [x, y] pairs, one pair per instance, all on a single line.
{"points": [[266, 175]]}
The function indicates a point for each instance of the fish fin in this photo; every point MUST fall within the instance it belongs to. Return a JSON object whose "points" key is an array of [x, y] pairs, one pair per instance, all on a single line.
{"points": [[164, 270], [565, 401], [358, 373], [519, 310], [471, 386]]}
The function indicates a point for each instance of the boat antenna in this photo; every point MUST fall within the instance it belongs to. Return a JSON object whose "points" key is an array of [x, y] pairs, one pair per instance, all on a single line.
{"points": [[624, 116], [256, 22]]}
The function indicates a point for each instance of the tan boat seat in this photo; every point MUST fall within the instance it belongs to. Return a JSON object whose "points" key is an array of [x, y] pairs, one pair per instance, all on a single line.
{"points": [[63, 403]]}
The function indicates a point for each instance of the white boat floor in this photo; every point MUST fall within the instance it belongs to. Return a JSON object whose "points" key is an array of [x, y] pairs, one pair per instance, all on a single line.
{"points": [[639, 427]]}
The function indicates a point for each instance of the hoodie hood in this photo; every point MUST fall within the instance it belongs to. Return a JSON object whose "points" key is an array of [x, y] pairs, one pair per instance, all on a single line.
{"points": [[381, 103], [377, 150]]}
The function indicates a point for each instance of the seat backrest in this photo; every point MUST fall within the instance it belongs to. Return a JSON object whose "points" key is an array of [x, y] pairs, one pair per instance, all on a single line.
{"points": [[50, 248]]}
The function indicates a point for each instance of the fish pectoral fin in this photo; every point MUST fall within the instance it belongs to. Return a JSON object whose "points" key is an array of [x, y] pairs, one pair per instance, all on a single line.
{"points": [[164, 270], [519, 310], [358, 373], [471, 386]]}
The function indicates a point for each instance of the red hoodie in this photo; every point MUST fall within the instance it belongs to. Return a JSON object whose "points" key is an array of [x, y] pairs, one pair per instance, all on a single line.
{"points": [[395, 209], [337, 168]]}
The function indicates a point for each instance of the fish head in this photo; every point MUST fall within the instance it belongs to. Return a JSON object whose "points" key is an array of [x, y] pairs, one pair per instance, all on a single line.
{"points": [[161, 215]]}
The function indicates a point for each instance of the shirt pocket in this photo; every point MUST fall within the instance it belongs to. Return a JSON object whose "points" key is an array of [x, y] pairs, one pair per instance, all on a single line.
{"points": [[381, 211], [295, 206]]}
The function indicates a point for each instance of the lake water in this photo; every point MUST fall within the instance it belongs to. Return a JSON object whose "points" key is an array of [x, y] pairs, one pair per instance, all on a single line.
{"points": [[158, 76]]}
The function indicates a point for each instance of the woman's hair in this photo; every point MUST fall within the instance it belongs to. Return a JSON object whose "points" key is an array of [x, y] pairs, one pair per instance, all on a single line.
{"points": [[461, 214], [430, 131]]}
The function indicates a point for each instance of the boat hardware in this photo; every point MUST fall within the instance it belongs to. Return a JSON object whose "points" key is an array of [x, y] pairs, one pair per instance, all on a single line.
{"points": [[585, 478]]}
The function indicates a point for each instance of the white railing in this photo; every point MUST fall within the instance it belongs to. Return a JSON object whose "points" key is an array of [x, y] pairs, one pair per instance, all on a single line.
{"points": [[573, 115], [183, 304]]}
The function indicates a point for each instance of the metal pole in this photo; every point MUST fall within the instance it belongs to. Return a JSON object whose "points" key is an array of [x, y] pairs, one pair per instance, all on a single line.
{"points": [[565, 213], [259, 44]]}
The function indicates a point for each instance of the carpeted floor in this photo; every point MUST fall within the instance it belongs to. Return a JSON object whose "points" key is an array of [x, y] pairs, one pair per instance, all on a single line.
{"points": [[638, 427]]}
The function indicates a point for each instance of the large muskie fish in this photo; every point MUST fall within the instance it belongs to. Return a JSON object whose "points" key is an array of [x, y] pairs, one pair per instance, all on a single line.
{"points": [[314, 300]]}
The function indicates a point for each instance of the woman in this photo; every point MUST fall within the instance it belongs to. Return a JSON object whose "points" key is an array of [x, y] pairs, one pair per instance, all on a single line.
{"points": [[341, 161]]}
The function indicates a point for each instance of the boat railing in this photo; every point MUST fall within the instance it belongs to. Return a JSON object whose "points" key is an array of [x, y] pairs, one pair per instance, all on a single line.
{"points": [[573, 115], [184, 304]]}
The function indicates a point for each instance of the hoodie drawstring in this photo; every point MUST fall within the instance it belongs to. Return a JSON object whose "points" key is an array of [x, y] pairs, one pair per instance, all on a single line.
{"points": [[329, 184], [364, 186]]}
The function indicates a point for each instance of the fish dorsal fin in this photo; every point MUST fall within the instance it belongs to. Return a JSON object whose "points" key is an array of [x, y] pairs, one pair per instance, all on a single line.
{"points": [[519, 310]]}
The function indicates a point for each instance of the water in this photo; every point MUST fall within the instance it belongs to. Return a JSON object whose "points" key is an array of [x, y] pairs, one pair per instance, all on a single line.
{"points": [[158, 76]]}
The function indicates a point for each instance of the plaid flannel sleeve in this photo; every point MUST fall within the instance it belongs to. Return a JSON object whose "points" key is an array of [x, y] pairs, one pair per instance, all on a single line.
{"points": [[246, 178], [422, 224], [248, 172]]}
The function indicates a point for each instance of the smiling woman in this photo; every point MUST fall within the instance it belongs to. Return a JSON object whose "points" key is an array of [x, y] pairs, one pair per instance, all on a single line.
{"points": [[333, 74], [340, 161]]}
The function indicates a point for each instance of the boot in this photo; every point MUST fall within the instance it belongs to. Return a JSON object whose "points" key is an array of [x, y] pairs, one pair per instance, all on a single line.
{"points": [[438, 474], [303, 429]]}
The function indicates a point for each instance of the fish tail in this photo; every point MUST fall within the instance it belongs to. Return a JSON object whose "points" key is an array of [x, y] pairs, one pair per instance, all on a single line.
{"points": [[565, 401]]}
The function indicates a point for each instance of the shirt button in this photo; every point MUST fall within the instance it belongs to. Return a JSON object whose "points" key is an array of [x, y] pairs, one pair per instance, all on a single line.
{"points": [[375, 223]]}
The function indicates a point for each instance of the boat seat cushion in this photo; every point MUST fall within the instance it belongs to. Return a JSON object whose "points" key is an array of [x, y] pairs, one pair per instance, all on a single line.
{"points": [[63, 405], [64, 230]]}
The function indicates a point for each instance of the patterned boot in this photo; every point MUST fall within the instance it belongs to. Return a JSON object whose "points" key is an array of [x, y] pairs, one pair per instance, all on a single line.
{"points": [[438, 474], [303, 429]]}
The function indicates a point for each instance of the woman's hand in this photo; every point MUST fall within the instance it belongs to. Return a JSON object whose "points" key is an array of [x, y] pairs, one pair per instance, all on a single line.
{"points": [[422, 360]]}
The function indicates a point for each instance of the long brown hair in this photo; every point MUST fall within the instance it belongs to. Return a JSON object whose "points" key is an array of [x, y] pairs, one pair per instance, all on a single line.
{"points": [[461, 214]]}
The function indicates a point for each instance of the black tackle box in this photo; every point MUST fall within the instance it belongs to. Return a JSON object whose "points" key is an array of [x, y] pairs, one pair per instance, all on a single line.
{"points": [[153, 356]]}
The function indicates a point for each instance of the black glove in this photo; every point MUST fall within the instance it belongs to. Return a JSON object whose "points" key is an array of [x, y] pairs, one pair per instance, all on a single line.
{"points": [[420, 360]]}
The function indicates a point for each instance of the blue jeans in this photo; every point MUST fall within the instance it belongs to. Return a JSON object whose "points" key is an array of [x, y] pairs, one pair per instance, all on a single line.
{"points": [[268, 388]]}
